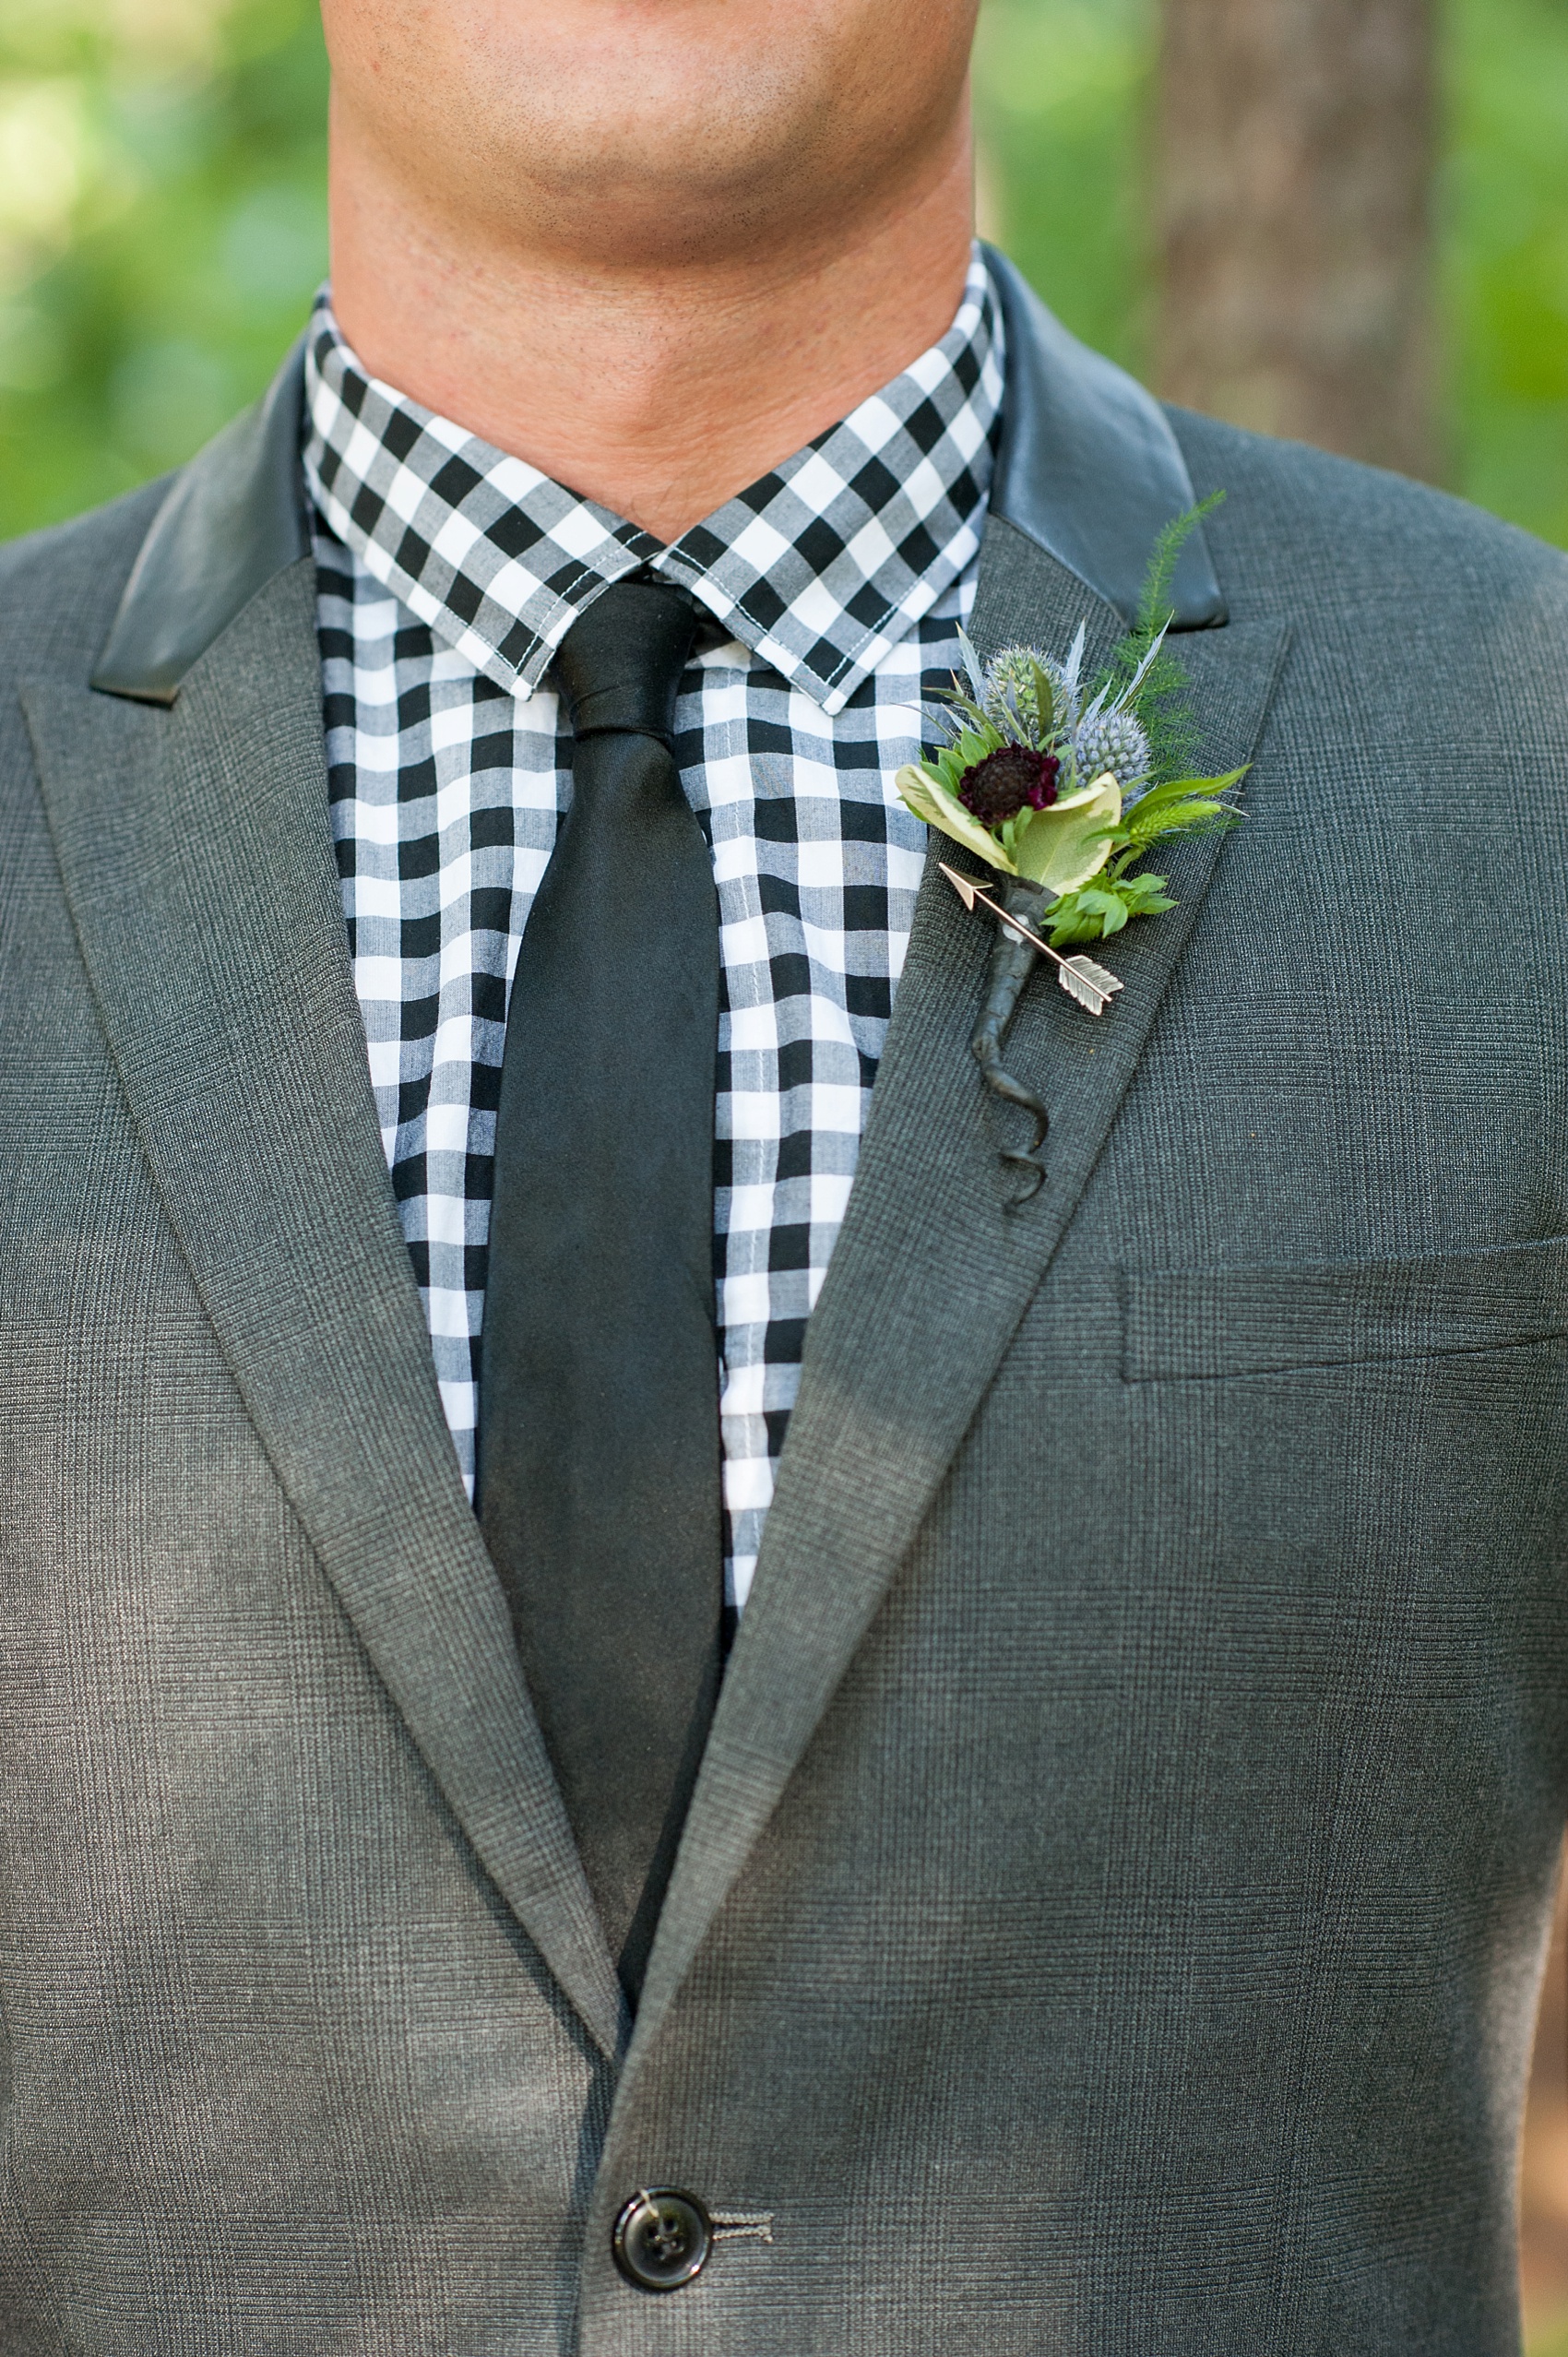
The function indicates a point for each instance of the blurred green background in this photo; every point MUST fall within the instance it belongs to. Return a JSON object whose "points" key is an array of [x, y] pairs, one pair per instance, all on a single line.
{"points": [[1064, 89], [162, 173], [162, 179]]}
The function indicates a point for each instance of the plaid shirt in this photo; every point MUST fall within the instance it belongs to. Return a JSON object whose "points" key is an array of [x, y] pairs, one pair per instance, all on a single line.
{"points": [[447, 573]]}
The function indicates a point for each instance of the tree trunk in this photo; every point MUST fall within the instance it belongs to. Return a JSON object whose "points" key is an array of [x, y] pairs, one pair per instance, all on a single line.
{"points": [[1295, 165]]}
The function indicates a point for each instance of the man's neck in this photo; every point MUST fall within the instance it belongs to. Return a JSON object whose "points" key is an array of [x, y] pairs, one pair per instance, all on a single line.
{"points": [[657, 392]]}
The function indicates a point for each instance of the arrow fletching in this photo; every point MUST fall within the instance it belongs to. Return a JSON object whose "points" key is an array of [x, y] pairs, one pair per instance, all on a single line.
{"points": [[1088, 983]]}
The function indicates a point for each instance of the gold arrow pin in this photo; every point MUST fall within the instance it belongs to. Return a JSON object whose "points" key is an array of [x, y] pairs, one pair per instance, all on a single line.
{"points": [[1082, 980]]}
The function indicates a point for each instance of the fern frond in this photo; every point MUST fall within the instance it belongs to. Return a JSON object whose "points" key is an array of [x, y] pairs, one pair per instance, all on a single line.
{"points": [[1155, 684], [1154, 609]]}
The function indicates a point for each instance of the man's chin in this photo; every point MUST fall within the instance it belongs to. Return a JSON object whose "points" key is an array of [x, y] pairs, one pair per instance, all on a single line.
{"points": [[654, 137]]}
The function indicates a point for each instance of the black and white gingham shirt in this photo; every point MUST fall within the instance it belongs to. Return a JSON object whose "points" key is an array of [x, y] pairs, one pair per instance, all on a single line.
{"points": [[447, 573]]}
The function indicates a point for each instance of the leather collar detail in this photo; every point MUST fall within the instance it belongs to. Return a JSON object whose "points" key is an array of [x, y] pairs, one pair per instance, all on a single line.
{"points": [[1089, 469], [1088, 466], [233, 521]]}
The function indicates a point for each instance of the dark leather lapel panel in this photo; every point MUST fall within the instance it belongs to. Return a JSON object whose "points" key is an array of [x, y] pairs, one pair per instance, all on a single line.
{"points": [[196, 855], [232, 522], [1089, 467], [932, 1272]]}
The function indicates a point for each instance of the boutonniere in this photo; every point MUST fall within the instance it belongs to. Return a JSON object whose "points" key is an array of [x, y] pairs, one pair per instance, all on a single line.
{"points": [[1064, 786]]}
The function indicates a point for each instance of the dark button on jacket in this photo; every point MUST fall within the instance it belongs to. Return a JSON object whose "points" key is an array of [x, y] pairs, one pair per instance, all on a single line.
{"points": [[661, 2240]]}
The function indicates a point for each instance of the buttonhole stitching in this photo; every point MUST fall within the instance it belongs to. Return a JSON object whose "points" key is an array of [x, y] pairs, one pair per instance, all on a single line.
{"points": [[741, 2225]]}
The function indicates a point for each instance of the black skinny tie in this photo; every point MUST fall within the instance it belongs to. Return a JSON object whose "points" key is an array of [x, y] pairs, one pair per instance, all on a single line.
{"points": [[599, 1455]]}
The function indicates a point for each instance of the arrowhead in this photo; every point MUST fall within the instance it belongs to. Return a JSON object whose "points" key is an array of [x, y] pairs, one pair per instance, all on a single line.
{"points": [[964, 886]]}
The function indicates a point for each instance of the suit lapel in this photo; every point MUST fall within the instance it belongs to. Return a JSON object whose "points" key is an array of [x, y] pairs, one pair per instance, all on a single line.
{"points": [[196, 850], [931, 1271]]}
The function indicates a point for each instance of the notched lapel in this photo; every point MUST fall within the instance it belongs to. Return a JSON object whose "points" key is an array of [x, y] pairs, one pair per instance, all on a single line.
{"points": [[932, 1269], [197, 859]]}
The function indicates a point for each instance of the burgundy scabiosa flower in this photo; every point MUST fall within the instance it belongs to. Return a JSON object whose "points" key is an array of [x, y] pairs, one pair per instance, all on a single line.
{"points": [[1014, 778]]}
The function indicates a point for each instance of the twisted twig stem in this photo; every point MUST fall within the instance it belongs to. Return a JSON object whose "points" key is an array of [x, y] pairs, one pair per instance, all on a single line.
{"points": [[1012, 963]]}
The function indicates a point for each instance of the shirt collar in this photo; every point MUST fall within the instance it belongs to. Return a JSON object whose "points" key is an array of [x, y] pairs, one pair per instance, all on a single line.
{"points": [[818, 567]]}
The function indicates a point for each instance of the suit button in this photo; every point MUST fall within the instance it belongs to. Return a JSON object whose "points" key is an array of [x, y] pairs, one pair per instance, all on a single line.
{"points": [[662, 2239]]}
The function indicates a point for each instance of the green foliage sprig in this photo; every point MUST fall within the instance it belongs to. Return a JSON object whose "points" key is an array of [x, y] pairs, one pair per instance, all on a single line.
{"points": [[1163, 698], [1178, 806]]}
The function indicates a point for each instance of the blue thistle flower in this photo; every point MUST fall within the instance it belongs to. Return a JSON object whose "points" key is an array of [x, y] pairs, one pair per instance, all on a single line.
{"points": [[1112, 740], [1010, 690]]}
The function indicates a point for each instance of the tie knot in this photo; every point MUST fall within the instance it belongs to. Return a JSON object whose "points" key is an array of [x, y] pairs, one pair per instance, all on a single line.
{"points": [[620, 664]]}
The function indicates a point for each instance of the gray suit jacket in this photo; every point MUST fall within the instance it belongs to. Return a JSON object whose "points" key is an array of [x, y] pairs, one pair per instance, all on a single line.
{"points": [[1110, 1915]]}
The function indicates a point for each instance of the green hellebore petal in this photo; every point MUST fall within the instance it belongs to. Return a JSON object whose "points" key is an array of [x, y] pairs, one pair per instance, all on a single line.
{"points": [[1063, 846], [935, 804]]}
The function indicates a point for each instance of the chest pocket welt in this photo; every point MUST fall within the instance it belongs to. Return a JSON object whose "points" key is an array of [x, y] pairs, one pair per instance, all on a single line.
{"points": [[1186, 1325]]}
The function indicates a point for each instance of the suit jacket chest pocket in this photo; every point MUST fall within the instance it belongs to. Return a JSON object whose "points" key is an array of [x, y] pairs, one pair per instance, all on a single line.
{"points": [[1362, 1463], [1209, 1325]]}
